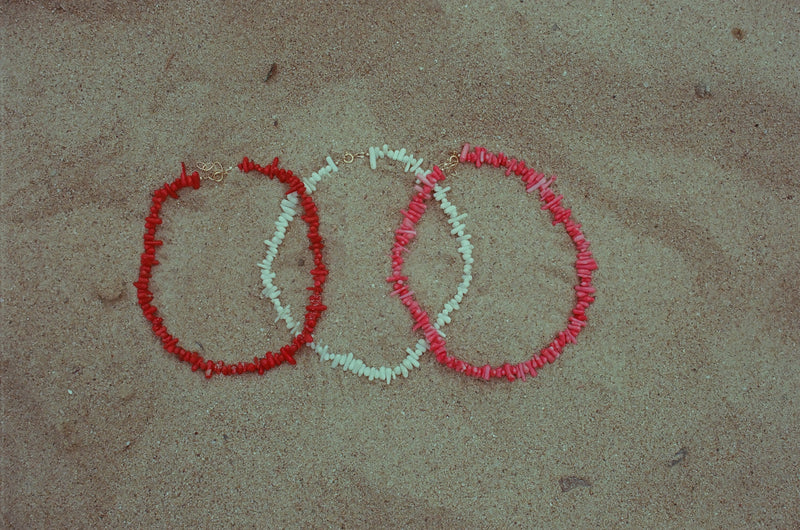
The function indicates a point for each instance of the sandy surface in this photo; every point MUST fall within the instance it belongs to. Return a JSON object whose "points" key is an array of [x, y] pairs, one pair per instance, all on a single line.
{"points": [[673, 129]]}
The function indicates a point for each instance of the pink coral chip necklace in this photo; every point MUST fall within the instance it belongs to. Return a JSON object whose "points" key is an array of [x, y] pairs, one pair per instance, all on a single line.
{"points": [[584, 265]]}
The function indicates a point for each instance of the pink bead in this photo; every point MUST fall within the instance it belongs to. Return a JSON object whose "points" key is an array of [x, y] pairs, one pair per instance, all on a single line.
{"points": [[546, 185], [536, 182], [511, 166], [463, 156], [552, 203]]}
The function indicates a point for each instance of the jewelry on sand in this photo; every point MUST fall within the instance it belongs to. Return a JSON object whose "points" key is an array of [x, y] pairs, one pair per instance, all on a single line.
{"points": [[426, 185], [584, 265], [348, 361], [148, 260]]}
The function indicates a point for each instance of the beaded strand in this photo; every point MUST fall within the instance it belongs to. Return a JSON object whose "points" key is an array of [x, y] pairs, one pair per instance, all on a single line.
{"points": [[148, 261], [347, 361], [584, 265]]}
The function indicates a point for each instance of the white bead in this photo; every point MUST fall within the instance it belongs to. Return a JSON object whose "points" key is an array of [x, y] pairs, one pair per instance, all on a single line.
{"points": [[457, 219], [347, 361], [311, 183], [356, 365], [372, 155], [331, 164], [286, 206], [457, 228]]}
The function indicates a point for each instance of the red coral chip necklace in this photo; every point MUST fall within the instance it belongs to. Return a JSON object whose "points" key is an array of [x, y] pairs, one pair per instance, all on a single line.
{"points": [[584, 265], [148, 260]]}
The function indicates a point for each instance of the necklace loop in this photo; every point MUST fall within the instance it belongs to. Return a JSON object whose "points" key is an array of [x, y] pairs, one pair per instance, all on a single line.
{"points": [[584, 266], [347, 360], [148, 260]]}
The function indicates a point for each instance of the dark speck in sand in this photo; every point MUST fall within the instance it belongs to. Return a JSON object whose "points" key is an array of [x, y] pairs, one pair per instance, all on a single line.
{"points": [[679, 457], [568, 483]]}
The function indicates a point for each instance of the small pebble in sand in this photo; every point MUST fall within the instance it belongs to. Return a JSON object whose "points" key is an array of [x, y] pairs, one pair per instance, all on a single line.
{"points": [[568, 483], [702, 91], [678, 457], [273, 69]]}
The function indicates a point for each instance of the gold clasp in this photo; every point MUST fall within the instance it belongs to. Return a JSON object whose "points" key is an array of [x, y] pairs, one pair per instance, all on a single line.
{"points": [[349, 158], [448, 168], [213, 171]]}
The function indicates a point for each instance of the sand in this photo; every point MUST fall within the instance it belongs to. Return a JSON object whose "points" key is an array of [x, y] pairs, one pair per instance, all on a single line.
{"points": [[673, 130]]}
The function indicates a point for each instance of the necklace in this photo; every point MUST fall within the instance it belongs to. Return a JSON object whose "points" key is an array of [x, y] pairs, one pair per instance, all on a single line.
{"points": [[584, 265], [348, 361], [148, 260]]}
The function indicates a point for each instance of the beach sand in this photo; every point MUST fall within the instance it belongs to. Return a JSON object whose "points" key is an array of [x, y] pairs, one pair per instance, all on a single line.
{"points": [[673, 130]]}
